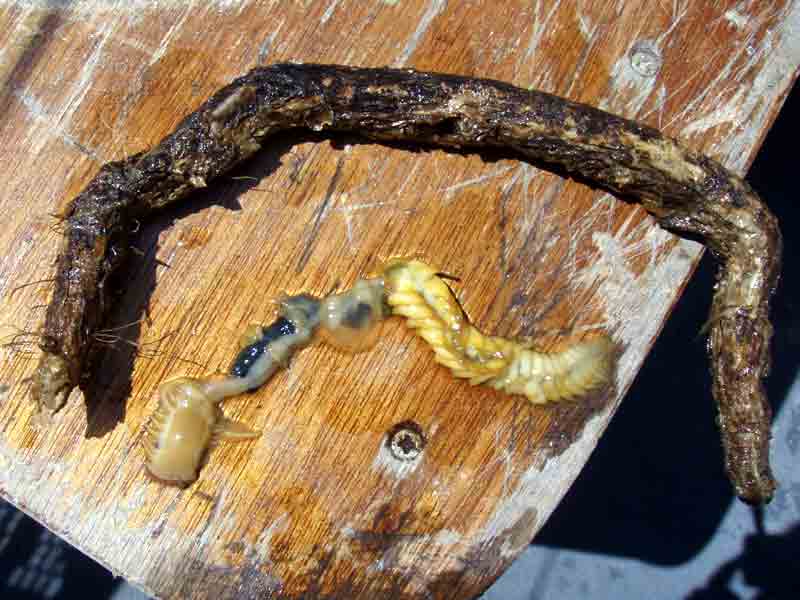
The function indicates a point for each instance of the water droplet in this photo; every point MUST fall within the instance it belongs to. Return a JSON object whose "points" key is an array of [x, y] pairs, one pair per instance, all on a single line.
{"points": [[646, 58]]}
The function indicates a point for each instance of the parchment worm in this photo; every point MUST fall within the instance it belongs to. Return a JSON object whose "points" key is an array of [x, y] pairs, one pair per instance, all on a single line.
{"points": [[685, 191]]}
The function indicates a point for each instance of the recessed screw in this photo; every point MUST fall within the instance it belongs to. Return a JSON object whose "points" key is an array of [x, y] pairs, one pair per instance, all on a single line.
{"points": [[406, 441]]}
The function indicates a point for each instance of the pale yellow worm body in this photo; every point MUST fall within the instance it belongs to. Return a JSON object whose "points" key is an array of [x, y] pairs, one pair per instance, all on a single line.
{"points": [[187, 424]]}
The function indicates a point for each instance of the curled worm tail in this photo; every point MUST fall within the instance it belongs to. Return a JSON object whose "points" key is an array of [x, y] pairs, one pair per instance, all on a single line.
{"points": [[565, 375]]}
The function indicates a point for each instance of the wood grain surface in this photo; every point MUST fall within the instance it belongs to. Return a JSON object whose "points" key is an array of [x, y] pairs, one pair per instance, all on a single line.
{"points": [[318, 507]]}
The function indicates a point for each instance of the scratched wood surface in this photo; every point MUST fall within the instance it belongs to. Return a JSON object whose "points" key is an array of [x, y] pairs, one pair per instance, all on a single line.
{"points": [[318, 507]]}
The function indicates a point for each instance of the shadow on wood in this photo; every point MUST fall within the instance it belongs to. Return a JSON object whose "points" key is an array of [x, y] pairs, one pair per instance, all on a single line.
{"points": [[107, 388]]}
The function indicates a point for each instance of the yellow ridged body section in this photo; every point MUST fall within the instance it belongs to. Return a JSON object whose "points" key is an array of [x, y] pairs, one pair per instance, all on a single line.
{"points": [[416, 291]]}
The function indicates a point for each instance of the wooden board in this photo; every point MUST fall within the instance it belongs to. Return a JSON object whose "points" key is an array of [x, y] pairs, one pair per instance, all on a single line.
{"points": [[318, 507]]}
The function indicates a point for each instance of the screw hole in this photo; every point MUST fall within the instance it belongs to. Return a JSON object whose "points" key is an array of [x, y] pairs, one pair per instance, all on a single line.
{"points": [[406, 441]]}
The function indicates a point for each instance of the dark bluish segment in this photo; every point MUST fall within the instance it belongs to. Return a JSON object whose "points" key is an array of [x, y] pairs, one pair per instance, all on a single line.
{"points": [[250, 354], [356, 317]]}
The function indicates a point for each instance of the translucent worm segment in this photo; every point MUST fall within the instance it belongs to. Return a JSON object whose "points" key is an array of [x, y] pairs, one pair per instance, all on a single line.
{"points": [[348, 321]]}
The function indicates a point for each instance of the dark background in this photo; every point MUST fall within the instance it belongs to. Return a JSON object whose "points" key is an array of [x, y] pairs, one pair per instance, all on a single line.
{"points": [[654, 494]]}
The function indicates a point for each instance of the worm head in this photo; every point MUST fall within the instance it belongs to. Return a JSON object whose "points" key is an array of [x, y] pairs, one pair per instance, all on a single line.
{"points": [[186, 425]]}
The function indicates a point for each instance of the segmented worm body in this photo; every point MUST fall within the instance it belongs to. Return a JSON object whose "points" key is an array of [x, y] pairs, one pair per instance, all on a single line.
{"points": [[265, 349], [188, 421], [346, 321], [685, 191], [417, 292]]}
